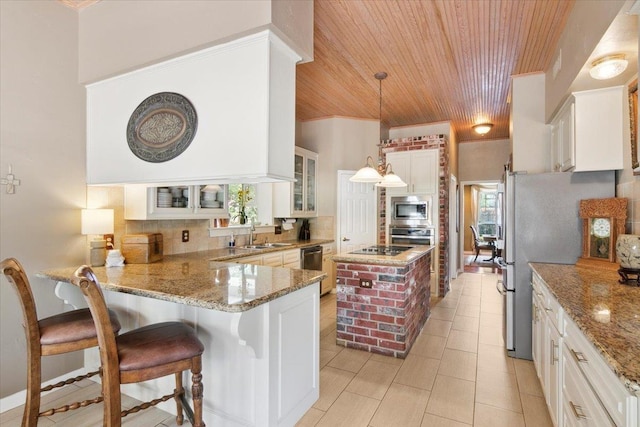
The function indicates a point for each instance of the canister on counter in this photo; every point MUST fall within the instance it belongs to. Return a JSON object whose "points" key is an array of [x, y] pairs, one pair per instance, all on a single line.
{"points": [[143, 248]]}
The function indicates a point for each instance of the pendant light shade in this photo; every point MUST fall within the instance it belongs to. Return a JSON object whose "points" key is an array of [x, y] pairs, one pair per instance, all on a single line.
{"points": [[367, 173], [390, 179]]}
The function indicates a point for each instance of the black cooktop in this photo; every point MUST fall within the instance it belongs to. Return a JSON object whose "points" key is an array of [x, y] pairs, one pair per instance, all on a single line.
{"points": [[382, 250]]}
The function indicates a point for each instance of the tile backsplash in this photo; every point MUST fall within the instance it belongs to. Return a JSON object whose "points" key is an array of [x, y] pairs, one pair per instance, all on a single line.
{"points": [[631, 190], [199, 240]]}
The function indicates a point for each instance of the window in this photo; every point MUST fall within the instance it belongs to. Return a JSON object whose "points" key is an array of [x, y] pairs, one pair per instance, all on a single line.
{"points": [[488, 213], [236, 191]]}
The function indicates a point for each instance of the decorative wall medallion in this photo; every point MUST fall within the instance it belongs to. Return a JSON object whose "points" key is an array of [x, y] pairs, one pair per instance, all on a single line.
{"points": [[162, 127]]}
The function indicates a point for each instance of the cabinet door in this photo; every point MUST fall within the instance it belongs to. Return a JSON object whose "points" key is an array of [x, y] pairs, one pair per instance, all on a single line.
{"points": [[567, 122], [310, 184], [272, 260], [554, 384], [401, 166], [424, 171], [172, 202], [298, 185], [255, 260]]}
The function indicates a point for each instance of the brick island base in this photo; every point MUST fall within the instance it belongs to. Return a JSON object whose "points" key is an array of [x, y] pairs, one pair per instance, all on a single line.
{"points": [[387, 317]]}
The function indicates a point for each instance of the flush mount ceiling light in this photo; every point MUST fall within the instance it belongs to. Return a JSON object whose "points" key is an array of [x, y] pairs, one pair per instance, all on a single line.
{"points": [[608, 66], [369, 173], [482, 128]]}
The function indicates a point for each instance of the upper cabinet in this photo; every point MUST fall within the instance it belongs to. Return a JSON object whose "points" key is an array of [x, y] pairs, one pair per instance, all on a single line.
{"points": [[298, 198], [418, 168], [175, 202], [587, 132], [228, 116]]}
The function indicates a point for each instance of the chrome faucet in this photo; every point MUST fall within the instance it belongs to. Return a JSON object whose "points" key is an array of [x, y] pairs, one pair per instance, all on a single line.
{"points": [[251, 230]]}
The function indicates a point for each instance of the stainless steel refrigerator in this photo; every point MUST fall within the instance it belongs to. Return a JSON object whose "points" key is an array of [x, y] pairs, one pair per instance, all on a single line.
{"points": [[542, 224]]}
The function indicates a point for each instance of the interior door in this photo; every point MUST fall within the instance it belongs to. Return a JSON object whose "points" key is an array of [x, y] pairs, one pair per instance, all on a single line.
{"points": [[357, 213]]}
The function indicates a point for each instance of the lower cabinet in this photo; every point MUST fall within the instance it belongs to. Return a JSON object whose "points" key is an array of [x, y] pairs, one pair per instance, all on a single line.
{"points": [[289, 258], [328, 267], [580, 388]]}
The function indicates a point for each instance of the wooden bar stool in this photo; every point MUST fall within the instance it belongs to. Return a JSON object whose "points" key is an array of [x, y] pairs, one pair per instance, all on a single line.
{"points": [[143, 354], [62, 333]]}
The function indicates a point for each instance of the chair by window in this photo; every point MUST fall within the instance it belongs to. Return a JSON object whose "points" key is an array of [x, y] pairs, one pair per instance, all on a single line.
{"points": [[146, 353], [58, 334], [479, 244]]}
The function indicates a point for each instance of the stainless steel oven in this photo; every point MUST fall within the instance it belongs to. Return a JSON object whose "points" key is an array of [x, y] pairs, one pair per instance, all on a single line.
{"points": [[416, 235]]}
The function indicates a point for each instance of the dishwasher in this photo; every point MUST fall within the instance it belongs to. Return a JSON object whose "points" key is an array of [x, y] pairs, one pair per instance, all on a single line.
{"points": [[311, 259]]}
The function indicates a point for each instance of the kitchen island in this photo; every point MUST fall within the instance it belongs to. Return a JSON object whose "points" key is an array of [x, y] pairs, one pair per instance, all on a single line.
{"points": [[383, 298], [259, 326]]}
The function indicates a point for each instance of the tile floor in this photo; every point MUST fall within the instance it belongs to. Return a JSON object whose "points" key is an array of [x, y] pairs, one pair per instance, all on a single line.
{"points": [[457, 374]]}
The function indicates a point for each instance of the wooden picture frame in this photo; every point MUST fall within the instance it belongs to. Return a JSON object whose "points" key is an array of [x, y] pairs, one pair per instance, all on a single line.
{"points": [[633, 124]]}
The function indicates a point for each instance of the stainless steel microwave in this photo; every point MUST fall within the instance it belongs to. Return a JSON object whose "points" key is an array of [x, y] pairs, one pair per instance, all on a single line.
{"points": [[410, 210]]}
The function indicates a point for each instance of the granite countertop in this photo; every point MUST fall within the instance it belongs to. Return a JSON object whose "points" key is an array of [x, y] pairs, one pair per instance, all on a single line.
{"points": [[200, 279], [401, 259], [584, 293], [233, 252]]}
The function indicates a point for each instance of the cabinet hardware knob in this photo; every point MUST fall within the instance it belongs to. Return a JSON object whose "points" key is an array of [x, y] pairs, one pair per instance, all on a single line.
{"points": [[344, 239]]}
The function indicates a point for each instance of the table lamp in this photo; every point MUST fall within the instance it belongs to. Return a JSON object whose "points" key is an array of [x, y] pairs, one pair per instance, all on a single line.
{"points": [[97, 222]]}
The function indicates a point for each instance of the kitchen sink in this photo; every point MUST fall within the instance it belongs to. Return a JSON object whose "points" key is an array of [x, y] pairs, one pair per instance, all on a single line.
{"points": [[267, 246]]}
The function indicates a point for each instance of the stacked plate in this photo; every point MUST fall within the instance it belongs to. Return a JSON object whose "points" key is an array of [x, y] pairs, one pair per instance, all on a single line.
{"points": [[210, 203], [164, 198]]}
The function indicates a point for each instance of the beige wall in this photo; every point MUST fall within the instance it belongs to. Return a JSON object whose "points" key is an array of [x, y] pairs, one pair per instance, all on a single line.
{"points": [[483, 160], [118, 36], [341, 144], [42, 137]]}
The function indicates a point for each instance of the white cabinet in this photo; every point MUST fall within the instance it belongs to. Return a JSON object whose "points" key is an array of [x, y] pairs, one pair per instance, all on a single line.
{"points": [[587, 132], [328, 267], [298, 199], [546, 345], [289, 259], [176, 202], [419, 169], [579, 386]]}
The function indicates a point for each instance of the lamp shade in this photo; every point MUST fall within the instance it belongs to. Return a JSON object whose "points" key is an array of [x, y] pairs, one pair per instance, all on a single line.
{"points": [[391, 180], [367, 174], [96, 221]]}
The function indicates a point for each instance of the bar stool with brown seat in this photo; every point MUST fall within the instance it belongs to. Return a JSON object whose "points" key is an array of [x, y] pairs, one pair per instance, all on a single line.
{"points": [[149, 352], [61, 333]]}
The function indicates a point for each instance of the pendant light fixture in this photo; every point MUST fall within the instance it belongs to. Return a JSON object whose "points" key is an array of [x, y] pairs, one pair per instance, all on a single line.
{"points": [[369, 173]]}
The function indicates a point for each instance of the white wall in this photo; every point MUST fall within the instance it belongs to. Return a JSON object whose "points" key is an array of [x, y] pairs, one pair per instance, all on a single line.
{"points": [[530, 136], [483, 160], [42, 137], [118, 36], [585, 27], [341, 144]]}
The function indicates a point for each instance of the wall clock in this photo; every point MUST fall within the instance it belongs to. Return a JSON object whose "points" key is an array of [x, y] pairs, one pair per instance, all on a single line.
{"points": [[603, 220]]}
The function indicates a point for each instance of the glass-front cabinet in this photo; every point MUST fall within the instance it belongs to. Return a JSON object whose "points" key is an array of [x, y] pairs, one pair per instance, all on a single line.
{"points": [[175, 202], [298, 199]]}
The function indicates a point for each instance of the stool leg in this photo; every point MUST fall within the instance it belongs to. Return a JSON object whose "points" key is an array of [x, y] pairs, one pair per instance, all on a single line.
{"points": [[32, 405], [178, 391], [196, 390]]}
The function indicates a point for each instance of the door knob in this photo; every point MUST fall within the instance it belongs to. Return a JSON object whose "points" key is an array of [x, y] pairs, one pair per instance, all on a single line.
{"points": [[344, 239]]}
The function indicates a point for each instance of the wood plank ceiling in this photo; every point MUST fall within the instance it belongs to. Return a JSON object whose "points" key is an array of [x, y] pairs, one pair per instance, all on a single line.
{"points": [[446, 59]]}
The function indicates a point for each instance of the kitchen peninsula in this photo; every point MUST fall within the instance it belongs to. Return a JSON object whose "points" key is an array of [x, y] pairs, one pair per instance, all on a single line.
{"points": [[259, 325], [383, 297]]}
